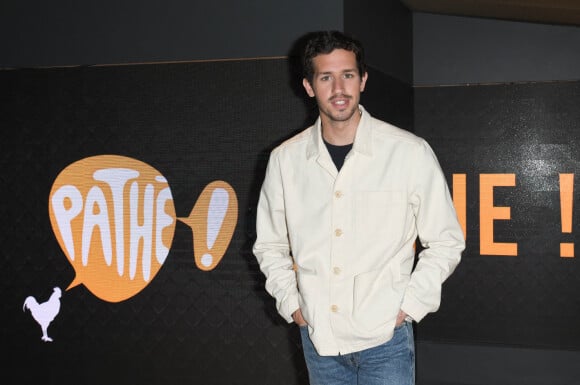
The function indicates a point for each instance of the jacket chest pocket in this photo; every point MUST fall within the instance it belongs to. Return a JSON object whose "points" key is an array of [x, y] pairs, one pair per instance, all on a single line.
{"points": [[381, 215]]}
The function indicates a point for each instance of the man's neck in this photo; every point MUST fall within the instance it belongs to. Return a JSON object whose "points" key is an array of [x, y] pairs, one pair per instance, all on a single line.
{"points": [[340, 133]]}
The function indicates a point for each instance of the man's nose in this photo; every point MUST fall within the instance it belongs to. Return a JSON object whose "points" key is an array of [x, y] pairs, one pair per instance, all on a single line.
{"points": [[338, 85]]}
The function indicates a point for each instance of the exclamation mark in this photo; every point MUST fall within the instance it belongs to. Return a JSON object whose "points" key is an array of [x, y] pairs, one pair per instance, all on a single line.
{"points": [[566, 205], [216, 213], [212, 221]]}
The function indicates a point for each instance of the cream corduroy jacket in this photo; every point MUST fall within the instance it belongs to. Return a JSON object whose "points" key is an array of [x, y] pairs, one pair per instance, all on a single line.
{"points": [[341, 245]]}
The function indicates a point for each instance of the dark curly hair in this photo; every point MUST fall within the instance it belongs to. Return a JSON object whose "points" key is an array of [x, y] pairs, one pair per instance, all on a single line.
{"points": [[324, 42]]}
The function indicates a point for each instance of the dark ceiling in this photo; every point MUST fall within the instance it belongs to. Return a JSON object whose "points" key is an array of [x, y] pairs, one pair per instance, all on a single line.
{"points": [[564, 12]]}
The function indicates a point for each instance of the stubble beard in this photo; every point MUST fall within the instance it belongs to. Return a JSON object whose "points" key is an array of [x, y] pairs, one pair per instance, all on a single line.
{"points": [[340, 116]]}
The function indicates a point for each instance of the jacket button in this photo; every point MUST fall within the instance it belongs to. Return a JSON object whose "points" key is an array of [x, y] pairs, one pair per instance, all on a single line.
{"points": [[334, 308], [338, 232], [336, 270], [338, 194]]}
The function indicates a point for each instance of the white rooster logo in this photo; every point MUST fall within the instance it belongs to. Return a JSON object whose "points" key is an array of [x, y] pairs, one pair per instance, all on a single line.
{"points": [[44, 313]]}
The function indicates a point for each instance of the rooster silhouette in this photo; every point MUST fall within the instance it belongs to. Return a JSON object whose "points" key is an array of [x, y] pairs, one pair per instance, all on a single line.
{"points": [[44, 312]]}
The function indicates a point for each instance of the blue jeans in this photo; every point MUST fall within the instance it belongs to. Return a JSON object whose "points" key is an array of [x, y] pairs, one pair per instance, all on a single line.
{"points": [[392, 363]]}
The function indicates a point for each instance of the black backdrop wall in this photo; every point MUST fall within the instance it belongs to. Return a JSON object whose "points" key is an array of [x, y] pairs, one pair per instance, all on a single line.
{"points": [[524, 293], [200, 122], [507, 317], [194, 123]]}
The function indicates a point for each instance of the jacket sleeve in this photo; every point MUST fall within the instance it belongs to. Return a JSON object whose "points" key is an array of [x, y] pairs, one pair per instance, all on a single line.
{"points": [[272, 248], [439, 232]]}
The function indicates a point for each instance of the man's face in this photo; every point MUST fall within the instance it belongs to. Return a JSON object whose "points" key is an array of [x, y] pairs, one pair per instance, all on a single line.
{"points": [[336, 84]]}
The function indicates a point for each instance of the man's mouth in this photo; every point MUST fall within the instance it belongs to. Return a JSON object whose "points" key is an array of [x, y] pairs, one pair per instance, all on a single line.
{"points": [[340, 101]]}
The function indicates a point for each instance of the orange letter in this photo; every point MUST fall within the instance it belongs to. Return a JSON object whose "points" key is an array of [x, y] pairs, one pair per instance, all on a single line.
{"points": [[460, 200], [566, 205], [488, 213]]}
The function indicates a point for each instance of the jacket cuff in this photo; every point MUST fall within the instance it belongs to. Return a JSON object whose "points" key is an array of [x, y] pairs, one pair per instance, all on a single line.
{"points": [[415, 308], [288, 307]]}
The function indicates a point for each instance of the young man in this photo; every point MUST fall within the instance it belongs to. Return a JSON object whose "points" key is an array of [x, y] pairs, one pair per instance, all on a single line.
{"points": [[340, 209]]}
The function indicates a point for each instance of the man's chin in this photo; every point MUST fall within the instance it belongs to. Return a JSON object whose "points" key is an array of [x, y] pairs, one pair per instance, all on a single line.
{"points": [[342, 116]]}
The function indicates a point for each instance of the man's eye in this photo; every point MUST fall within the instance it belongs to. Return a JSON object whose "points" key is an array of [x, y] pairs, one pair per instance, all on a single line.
{"points": [[349, 76], [325, 78]]}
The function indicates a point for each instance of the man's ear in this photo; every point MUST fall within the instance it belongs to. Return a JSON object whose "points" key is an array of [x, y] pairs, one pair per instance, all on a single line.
{"points": [[308, 87], [364, 81]]}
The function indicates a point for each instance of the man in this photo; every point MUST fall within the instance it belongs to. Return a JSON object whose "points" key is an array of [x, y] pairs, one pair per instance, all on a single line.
{"points": [[340, 209]]}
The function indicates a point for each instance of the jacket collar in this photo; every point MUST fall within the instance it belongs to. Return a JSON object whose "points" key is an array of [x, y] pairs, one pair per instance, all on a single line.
{"points": [[362, 140]]}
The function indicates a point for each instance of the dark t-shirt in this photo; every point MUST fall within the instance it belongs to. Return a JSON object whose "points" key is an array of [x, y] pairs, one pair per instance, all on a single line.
{"points": [[338, 153]]}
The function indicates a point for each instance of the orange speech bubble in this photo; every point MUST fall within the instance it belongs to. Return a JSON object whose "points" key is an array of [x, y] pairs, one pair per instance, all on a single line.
{"points": [[114, 218]]}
